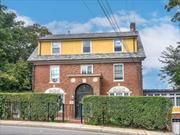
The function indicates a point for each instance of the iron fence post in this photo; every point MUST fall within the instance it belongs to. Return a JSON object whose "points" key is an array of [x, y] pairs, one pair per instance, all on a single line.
{"points": [[29, 110], [63, 112], [81, 105], [48, 110]]}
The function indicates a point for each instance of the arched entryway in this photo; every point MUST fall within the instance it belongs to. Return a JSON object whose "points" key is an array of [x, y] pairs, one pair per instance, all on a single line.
{"points": [[81, 91]]}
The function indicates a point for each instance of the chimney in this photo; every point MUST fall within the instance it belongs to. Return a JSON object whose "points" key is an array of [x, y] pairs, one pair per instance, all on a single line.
{"points": [[133, 26]]}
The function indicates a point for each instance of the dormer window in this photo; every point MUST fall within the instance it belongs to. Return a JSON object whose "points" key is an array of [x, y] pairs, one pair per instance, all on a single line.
{"points": [[86, 46], [117, 45], [55, 48]]}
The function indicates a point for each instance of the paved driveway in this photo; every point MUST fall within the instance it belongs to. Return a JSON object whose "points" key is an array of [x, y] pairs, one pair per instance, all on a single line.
{"points": [[20, 130]]}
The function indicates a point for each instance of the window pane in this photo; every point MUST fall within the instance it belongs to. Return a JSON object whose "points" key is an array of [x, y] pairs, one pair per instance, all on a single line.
{"points": [[126, 94], [83, 70], [86, 69], [177, 101], [111, 94], [86, 46], [89, 69], [117, 45], [118, 72], [55, 48], [54, 73], [119, 94]]}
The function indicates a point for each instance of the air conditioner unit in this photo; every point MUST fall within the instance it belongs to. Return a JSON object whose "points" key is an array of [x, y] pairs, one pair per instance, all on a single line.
{"points": [[54, 80]]}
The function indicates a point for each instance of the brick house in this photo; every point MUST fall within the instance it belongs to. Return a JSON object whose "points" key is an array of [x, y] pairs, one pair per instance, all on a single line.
{"points": [[76, 65]]}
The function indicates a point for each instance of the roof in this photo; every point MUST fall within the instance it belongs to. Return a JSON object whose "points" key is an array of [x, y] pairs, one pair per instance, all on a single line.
{"points": [[139, 55], [89, 35], [160, 90]]}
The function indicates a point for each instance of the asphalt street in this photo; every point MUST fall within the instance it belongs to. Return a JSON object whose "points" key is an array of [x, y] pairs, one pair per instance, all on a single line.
{"points": [[21, 130]]}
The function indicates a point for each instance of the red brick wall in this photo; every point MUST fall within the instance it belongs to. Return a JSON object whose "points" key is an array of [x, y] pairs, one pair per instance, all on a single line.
{"points": [[132, 78]]}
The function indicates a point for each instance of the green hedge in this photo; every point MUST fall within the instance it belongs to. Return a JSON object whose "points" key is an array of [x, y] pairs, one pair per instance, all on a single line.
{"points": [[136, 112], [30, 106]]}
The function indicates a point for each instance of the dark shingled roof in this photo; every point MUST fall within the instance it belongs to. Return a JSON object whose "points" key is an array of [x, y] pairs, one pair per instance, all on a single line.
{"points": [[159, 90], [89, 35], [139, 55]]}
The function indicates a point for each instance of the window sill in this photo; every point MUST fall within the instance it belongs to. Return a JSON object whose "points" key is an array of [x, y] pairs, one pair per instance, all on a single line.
{"points": [[54, 82], [84, 75], [118, 80]]}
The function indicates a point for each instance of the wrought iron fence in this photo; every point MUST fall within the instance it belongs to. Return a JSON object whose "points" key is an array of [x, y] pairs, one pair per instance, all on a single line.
{"points": [[14, 110]]}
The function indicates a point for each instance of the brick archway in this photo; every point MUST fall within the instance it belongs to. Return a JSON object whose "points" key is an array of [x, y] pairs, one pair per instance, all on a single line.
{"points": [[81, 91]]}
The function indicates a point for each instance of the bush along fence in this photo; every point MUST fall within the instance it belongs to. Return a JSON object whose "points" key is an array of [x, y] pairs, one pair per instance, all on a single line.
{"points": [[30, 106], [134, 112]]}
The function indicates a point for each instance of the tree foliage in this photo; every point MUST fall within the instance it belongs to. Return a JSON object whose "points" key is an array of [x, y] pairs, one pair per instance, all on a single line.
{"points": [[17, 42], [171, 60], [172, 4]]}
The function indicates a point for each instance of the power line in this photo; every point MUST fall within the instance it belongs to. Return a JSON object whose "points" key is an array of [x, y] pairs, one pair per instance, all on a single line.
{"points": [[106, 14], [115, 29], [110, 9]]}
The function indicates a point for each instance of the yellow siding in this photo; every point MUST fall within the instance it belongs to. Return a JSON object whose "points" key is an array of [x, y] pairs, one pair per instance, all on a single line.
{"points": [[71, 47], [102, 46], [98, 46], [38, 50], [176, 110], [45, 48], [129, 45]]}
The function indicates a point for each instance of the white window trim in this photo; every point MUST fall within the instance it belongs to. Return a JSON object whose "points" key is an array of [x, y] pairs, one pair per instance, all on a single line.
{"points": [[122, 72], [114, 46], [50, 81], [115, 94], [86, 65], [59, 48], [83, 47]]}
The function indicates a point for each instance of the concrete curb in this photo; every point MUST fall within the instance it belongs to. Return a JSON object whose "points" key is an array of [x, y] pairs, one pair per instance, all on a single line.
{"points": [[83, 127]]}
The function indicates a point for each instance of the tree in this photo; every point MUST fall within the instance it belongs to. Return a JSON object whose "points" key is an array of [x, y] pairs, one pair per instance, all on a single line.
{"points": [[17, 42], [171, 60], [172, 4]]}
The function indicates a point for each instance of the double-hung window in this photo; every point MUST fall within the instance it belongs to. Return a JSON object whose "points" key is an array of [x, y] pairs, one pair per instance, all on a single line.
{"points": [[86, 69], [86, 46], [55, 48], [54, 74], [118, 72], [117, 45]]}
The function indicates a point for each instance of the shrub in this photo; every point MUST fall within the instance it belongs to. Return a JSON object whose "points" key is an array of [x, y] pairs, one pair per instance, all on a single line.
{"points": [[136, 112], [29, 106]]}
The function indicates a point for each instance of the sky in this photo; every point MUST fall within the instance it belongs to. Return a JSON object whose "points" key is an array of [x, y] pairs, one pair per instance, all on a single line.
{"points": [[82, 16]]}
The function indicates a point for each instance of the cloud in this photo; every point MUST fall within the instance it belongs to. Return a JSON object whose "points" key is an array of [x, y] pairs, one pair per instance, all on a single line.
{"points": [[155, 39], [156, 32], [97, 24], [27, 20]]}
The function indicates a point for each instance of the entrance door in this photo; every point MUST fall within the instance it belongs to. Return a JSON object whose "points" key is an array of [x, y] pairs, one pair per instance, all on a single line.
{"points": [[81, 91]]}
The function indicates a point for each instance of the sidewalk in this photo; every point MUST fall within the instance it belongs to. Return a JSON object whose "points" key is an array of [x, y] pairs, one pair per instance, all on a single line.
{"points": [[83, 127]]}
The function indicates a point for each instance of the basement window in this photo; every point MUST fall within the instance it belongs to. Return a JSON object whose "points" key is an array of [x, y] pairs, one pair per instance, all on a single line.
{"points": [[119, 91]]}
